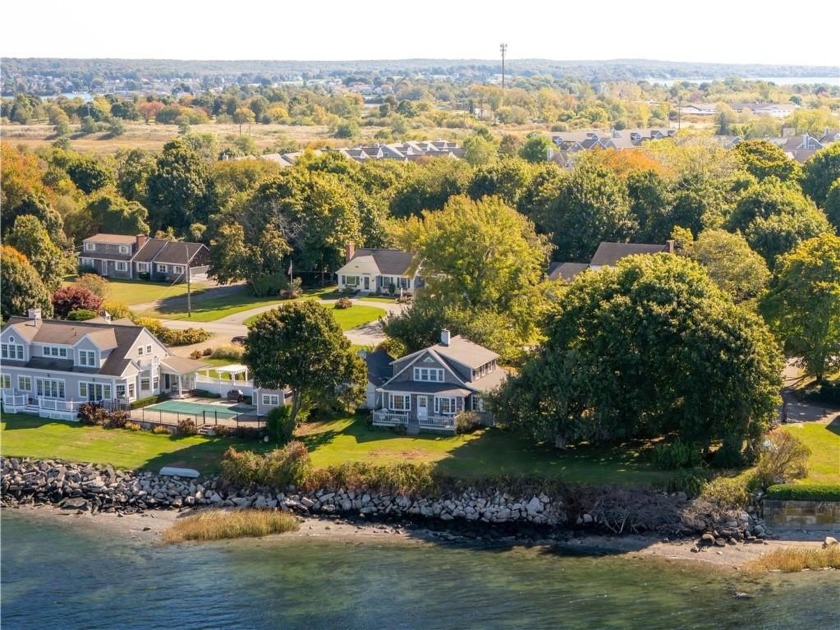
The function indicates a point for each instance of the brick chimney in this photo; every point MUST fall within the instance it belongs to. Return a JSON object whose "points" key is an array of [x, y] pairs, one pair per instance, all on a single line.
{"points": [[350, 251], [141, 240], [444, 337]]}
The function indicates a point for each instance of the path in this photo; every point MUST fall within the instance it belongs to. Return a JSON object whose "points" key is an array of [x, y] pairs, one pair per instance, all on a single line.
{"points": [[797, 410]]}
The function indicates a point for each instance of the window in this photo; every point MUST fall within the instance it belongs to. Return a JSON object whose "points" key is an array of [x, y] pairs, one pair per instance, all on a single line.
{"points": [[87, 358], [11, 351], [55, 351], [25, 383], [271, 400], [83, 389], [155, 382], [123, 250], [121, 265], [477, 403], [149, 349], [86, 262], [144, 383], [177, 269], [140, 351], [400, 402], [143, 267], [50, 388], [445, 406], [131, 390], [163, 268], [90, 247], [351, 281], [120, 390], [95, 391], [434, 375], [5, 381]]}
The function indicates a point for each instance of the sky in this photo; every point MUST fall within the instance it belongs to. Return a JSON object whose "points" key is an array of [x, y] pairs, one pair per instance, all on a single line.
{"points": [[722, 31]]}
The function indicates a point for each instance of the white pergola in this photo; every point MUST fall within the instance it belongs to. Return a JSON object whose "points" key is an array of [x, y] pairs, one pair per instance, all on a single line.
{"points": [[234, 371]]}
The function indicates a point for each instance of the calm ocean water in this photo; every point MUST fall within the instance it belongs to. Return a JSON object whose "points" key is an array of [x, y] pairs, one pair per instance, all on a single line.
{"points": [[63, 576]]}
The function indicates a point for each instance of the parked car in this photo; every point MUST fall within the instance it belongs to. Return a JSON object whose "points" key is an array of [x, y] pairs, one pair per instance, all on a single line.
{"points": [[240, 340], [235, 395]]}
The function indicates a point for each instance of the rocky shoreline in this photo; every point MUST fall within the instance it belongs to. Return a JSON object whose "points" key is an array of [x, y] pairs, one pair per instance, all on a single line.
{"points": [[486, 514]]}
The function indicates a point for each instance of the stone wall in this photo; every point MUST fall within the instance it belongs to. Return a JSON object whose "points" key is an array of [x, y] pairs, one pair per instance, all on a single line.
{"points": [[804, 514]]}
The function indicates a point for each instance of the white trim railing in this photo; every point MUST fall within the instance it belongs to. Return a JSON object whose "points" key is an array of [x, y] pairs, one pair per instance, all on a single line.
{"points": [[13, 402], [59, 404], [438, 423], [388, 418]]}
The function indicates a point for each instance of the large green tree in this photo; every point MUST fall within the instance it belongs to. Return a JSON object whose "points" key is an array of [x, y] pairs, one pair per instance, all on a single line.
{"points": [[803, 304], [178, 188], [648, 348], [730, 263], [20, 285], [300, 345], [763, 159], [821, 170], [30, 238]]}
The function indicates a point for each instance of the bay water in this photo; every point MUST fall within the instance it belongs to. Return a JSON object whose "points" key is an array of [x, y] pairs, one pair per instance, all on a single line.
{"points": [[66, 576]]}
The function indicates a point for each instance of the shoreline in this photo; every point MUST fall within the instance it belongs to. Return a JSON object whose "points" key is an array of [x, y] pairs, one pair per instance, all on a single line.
{"points": [[148, 527]]}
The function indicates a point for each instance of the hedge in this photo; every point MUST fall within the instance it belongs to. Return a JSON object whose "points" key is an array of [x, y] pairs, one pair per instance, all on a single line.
{"points": [[150, 400], [804, 492]]}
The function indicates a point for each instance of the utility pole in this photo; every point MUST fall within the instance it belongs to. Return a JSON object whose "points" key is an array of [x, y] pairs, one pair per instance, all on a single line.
{"points": [[187, 268], [503, 48]]}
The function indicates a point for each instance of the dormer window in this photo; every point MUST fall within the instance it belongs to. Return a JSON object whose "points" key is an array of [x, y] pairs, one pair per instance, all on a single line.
{"points": [[11, 351], [433, 375], [87, 358], [123, 249], [55, 351], [90, 247]]}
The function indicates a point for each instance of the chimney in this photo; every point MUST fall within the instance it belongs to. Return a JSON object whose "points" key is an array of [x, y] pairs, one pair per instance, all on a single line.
{"points": [[350, 251], [141, 240], [444, 337], [35, 315], [670, 246]]}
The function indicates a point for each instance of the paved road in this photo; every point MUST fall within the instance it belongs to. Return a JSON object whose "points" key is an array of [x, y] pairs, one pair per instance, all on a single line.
{"points": [[231, 326]]}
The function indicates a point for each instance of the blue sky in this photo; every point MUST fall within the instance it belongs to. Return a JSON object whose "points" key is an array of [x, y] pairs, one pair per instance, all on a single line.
{"points": [[723, 31]]}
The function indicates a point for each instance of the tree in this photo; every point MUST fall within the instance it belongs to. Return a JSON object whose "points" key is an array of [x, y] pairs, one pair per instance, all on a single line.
{"points": [[507, 179], [20, 286], [30, 238], [730, 263], [178, 188], [635, 350], [537, 148], [821, 170], [832, 205], [259, 261], [781, 233], [763, 159], [74, 298], [479, 148], [300, 345], [430, 187], [803, 304], [483, 262]]}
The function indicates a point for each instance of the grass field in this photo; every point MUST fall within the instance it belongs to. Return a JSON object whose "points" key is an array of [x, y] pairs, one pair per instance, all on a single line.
{"points": [[824, 442], [132, 292], [347, 318], [212, 305], [484, 454]]}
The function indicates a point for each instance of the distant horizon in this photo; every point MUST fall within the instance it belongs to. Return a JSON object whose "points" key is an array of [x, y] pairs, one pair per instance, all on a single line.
{"points": [[720, 31]]}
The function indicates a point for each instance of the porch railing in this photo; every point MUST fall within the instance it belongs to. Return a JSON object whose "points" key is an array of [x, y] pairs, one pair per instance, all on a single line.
{"points": [[59, 404], [438, 423], [387, 418], [13, 402]]}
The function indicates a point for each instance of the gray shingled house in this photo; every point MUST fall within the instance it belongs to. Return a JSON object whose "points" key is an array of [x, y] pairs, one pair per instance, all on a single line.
{"points": [[377, 271], [141, 257]]}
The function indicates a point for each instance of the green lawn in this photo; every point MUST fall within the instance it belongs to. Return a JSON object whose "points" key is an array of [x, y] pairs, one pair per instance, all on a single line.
{"points": [[483, 454], [824, 442], [347, 318], [487, 453], [212, 305], [30, 436], [132, 292]]}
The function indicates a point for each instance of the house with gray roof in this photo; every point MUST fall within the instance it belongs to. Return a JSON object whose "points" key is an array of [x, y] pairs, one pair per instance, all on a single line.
{"points": [[140, 257], [430, 387], [372, 270], [51, 367], [607, 255]]}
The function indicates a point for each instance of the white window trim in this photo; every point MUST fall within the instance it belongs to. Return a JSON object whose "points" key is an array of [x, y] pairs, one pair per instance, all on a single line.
{"points": [[12, 351], [121, 265], [452, 403], [90, 247], [54, 351], [139, 351], [5, 381], [86, 262], [105, 389], [406, 401], [61, 387], [21, 379], [148, 348], [271, 400], [430, 372], [85, 355], [163, 268], [148, 384], [142, 267], [123, 249]]}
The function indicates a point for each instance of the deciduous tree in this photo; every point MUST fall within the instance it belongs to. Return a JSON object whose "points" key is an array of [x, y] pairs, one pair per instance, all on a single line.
{"points": [[20, 285], [30, 238], [73, 298]]}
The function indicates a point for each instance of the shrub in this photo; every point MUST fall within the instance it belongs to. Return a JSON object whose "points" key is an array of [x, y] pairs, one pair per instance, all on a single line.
{"points": [[161, 429], [117, 310], [828, 393], [95, 283], [689, 481], [676, 454], [403, 478], [248, 433], [783, 457], [227, 351], [132, 426], [730, 492], [170, 337], [150, 400], [203, 393], [467, 422], [280, 425], [795, 559], [392, 288], [92, 414], [195, 354], [207, 352], [804, 492], [289, 465], [72, 298], [187, 427], [116, 419], [293, 290], [343, 302], [278, 468], [81, 315], [84, 270], [222, 430]]}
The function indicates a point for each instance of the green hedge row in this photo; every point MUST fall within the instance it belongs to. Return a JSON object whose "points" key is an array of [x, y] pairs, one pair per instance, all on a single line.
{"points": [[804, 492], [150, 400]]}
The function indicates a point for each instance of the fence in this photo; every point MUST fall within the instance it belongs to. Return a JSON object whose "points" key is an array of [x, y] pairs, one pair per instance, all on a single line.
{"points": [[162, 417]]}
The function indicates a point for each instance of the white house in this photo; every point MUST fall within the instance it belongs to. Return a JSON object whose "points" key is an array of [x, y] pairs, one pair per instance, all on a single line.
{"points": [[377, 271]]}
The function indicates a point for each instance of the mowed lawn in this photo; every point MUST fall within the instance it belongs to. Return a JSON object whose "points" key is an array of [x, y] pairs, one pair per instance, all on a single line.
{"points": [[29, 436], [824, 441], [212, 305], [139, 292], [487, 453], [347, 318]]}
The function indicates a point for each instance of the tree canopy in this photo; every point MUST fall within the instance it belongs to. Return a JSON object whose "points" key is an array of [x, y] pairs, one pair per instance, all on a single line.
{"points": [[730, 263], [636, 350], [21, 287], [300, 345], [803, 304]]}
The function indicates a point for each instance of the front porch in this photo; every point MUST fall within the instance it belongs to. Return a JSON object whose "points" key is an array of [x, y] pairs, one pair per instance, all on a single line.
{"points": [[413, 424], [16, 401]]}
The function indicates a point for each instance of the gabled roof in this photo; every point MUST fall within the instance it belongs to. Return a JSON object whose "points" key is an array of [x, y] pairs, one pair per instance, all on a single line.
{"points": [[463, 351], [111, 239], [379, 367], [164, 251], [566, 270], [610, 253], [389, 262]]}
